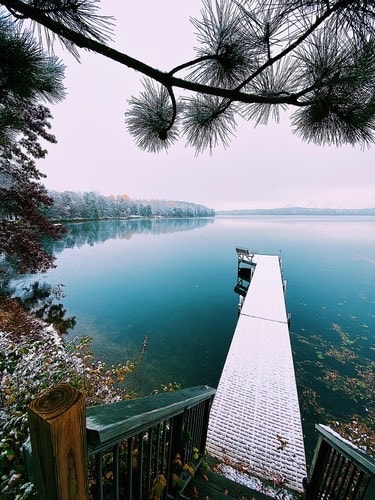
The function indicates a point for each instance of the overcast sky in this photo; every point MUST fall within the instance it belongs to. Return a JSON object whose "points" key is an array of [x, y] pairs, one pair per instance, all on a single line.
{"points": [[264, 167]]}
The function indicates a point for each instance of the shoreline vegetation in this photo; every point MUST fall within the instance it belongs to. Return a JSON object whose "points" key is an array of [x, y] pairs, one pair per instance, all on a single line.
{"points": [[35, 356], [72, 206]]}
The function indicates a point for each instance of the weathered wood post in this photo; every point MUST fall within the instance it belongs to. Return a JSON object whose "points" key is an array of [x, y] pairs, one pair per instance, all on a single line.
{"points": [[57, 421]]}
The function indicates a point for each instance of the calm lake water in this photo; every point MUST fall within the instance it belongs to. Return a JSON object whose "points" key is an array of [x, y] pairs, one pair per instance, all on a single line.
{"points": [[173, 281]]}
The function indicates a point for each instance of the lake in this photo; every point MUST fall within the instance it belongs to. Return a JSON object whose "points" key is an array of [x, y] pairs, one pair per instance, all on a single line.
{"points": [[173, 280]]}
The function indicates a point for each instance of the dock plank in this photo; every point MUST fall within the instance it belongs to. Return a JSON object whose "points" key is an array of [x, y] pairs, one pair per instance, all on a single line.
{"points": [[255, 421]]}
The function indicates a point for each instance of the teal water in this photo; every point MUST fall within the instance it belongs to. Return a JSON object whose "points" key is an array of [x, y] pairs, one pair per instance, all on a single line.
{"points": [[173, 281]]}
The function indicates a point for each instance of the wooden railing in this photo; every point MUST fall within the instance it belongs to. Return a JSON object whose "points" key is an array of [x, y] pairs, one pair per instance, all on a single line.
{"points": [[150, 447], [340, 470], [143, 448]]}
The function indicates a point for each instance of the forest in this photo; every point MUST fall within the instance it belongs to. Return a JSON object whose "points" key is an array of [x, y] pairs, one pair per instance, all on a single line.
{"points": [[70, 205]]}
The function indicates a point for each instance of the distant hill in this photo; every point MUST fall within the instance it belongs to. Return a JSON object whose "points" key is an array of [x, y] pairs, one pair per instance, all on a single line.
{"points": [[299, 211]]}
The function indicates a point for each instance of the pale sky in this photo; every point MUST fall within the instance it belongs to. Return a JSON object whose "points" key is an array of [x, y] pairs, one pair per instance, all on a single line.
{"points": [[264, 167]]}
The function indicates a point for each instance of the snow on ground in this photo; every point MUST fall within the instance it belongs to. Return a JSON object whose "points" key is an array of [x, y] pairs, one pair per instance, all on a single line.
{"points": [[255, 483]]}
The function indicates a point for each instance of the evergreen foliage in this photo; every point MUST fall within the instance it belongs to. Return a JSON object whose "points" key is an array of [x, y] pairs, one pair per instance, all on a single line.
{"points": [[27, 78], [254, 58]]}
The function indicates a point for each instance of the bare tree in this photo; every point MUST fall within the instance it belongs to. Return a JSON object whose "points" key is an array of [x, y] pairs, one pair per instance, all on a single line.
{"points": [[255, 58]]}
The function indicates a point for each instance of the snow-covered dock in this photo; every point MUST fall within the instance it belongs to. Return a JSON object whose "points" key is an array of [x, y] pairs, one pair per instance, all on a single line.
{"points": [[255, 421]]}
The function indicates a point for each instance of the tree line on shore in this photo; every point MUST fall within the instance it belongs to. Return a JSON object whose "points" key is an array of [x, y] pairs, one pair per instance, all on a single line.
{"points": [[70, 205]]}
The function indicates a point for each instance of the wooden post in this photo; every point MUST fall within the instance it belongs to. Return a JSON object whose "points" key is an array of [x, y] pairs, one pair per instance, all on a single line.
{"points": [[57, 421]]}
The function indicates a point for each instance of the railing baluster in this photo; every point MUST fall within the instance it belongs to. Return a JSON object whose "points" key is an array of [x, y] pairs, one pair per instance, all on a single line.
{"points": [[99, 475], [351, 475], [340, 461], [163, 445], [129, 468], [157, 450], [170, 430], [197, 425], [206, 405], [116, 472], [343, 479], [200, 417], [193, 432], [149, 461], [331, 472], [357, 485], [140, 462], [187, 436], [325, 456]]}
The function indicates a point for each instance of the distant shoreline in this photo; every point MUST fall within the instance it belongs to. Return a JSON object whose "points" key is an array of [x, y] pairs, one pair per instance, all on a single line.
{"points": [[299, 211]]}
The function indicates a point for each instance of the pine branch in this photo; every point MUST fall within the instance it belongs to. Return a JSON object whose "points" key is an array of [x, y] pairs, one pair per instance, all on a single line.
{"points": [[236, 65], [291, 47], [165, 79], [188, 64]]}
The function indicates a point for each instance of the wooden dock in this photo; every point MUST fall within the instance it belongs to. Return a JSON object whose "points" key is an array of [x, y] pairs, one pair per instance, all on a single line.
{"points": [[255, 422]]}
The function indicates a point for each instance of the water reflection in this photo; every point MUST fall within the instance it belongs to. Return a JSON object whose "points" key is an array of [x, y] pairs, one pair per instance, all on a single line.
{"points": [[94, 232]]}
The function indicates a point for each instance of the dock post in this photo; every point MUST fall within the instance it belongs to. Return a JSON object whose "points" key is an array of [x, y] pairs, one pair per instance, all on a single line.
{"points": [[57, 422]]}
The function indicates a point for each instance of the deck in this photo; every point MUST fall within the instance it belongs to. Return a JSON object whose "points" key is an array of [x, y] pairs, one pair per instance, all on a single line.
{"points": [[255, 421]]}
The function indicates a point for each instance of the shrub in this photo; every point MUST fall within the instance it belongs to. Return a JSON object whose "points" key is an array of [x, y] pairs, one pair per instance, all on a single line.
{"points": [[34, 357]]}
